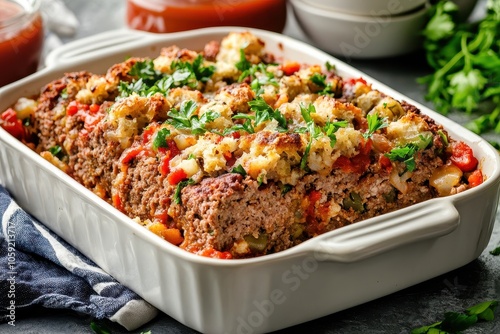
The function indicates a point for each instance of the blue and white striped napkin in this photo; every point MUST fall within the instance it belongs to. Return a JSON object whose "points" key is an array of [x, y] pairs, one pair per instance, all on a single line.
{"points": [[37, 268]]}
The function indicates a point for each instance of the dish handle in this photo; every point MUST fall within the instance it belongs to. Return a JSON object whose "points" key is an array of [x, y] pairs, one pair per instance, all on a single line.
{"points": [[359, 241], [86, 46]]}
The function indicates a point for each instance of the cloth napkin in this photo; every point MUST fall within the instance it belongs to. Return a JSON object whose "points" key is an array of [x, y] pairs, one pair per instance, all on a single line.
{"points": [[39, 268]]}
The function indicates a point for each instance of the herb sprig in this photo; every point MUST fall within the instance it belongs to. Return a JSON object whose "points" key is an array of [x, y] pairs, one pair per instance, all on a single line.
{"points": [[456, 322], [316, 131], [465, 58], [186, 119], [151, 81]]}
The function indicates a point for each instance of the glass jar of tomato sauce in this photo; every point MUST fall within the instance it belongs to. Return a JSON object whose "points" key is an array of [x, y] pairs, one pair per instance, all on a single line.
{"points": [[178, 15], [21, 39]]}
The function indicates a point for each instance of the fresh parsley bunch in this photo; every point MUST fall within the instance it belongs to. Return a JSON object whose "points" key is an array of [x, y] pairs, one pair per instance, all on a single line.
{"points": [[466, 62]]}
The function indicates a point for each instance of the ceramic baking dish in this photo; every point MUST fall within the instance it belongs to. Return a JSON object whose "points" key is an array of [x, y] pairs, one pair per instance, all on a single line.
{"points": [[326, 274]]}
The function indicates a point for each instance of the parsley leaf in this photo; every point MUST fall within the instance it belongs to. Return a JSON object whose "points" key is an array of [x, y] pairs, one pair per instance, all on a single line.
{"points": [[313, 130], [178, 190], [160, 139], [259, 76], [375, 122], [185, 118], [331, 127], [264, 112], [456, 322], [56, 151], [320, 80], [150, 81], [239, 170], [496, 251], [404, 154], [465, 60], [243, 64]]}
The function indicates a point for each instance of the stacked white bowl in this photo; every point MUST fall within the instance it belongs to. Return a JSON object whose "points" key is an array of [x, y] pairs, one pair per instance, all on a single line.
{"points": [[363, 28]]}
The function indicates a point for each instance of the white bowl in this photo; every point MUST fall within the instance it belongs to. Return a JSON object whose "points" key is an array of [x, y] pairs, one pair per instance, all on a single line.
{"points": [[356, 36], [369, 7]]}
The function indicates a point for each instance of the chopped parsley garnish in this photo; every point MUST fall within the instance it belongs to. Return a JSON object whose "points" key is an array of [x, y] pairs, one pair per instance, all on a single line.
{"points": [[64, 94], [259, 76], [193, 72], [404, 154], [285, 188], [331, 127], [185, 118], [239, 170], [314, 132], [160, 139], [320, 80], [150, 81], [375, 122], [243, 64], [146, 71], [178, 190], [245, 126], [329, 67], [456, 322], [56, 151], [262, 113]]}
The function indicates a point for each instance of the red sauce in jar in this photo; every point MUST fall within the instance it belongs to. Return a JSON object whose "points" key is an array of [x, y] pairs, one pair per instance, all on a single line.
{"points": [[21, 40], [178, 15]]}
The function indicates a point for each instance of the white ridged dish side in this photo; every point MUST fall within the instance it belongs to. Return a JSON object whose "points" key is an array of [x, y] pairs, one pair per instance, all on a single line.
{"points": [[329, 273]]}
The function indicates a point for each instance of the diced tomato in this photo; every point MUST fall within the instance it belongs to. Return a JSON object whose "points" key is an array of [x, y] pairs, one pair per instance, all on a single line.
{"points": [[176, 176], [147, 133], [385, 162], [94, 108], [357, 164], [463, 157], [165, 163], [353, 81], [235, 135], [290, 67], [210, 252], [172, 146], [72, 108], [130, 154], [12, 124], [314, 197], [475, 178]]}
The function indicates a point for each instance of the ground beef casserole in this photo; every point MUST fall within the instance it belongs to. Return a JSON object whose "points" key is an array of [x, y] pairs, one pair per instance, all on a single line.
{"points": [[230, 152]]}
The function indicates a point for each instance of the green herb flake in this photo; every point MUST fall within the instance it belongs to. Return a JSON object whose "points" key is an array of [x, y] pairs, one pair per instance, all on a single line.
{"points": [[457, 322], [404, 154], [160, 139], [184, 118], [239, 170], [177, 198], [375, 122], [56, 151], [243, 64], [495, 251]]}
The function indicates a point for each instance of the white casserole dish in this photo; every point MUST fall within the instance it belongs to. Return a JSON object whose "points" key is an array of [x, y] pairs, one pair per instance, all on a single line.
{"points": [[326, 274]]}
